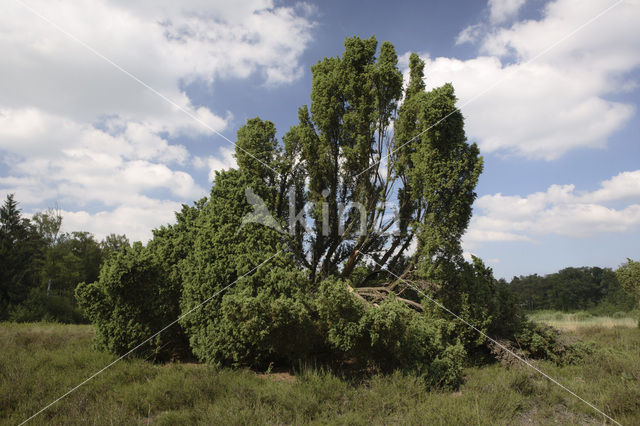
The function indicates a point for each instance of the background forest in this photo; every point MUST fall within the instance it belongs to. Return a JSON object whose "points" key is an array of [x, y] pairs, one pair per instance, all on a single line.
{"points": [[40, 266]]}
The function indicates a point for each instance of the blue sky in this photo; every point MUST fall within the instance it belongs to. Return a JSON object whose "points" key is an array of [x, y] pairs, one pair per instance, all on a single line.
{"points": [[559, 133]]}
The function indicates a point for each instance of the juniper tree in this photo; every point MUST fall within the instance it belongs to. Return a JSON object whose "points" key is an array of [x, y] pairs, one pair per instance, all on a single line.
{"points": [[354, 145], [365, 200]]}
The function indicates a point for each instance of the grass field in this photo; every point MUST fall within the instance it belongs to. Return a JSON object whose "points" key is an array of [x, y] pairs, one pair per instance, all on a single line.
{"points": [[577, 320], [40, 362]]}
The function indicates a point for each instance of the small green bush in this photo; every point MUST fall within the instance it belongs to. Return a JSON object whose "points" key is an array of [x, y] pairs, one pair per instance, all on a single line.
{"points": [[390, 336], [252, 327], [132, 300], [545, 342]]}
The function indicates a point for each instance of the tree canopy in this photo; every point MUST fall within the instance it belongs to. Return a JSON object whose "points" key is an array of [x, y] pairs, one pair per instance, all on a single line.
{"points": [[629, 276], [573, 289]]}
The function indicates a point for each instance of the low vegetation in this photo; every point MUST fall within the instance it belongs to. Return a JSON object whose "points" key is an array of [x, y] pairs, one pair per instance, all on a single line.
{"points": [[582, 319], [136, 391]]}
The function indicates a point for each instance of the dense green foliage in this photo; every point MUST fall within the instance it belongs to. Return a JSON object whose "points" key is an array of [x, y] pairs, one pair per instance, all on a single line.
{"points": [[40, 266], [19, 253], [391, 336], [570, 289], [265, 316], [629, 276], [131, 301]]}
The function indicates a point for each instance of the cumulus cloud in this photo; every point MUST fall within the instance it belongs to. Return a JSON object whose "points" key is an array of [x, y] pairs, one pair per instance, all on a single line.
{"points": [[560, 210], [470, 34], [518, 103], [499, 11], [624, 186], [34, 133], [502, 10], [224, 161], [135, 221], [163, 43], [78, 163], [76, 129]]}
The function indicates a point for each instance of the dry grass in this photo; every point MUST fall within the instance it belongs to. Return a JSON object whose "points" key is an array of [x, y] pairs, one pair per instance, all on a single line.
{"points": [[39, 362], [579, 320]]}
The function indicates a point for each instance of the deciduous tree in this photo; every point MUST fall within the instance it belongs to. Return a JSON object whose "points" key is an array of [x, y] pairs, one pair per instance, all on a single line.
{"points": [[629, 276]]}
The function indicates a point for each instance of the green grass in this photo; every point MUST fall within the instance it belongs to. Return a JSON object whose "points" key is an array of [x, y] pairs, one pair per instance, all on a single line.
{"points": [[581, 319], [40, 362]]}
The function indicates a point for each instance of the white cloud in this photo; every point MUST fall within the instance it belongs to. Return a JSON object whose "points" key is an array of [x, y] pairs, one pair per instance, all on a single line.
{"points": [[560, 210], [135, 220], [224, 161], [34, 133], [162, 43], [502, 10], [623, 186], [561, 100], [499, 11], [470, 34], [75, 129], [78, 163]]}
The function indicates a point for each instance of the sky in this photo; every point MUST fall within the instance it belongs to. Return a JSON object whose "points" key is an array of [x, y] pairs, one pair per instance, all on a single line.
{"points": [[120, 111]]}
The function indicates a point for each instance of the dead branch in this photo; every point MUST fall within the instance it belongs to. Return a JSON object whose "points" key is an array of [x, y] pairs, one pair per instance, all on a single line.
{"points": [[377, 294]]}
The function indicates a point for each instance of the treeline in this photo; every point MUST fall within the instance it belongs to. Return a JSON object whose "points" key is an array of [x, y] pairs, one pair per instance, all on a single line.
{"points": [[40, 266], [585, 288]]}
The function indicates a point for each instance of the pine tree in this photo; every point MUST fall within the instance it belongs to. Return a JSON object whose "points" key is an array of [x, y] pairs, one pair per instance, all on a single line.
{"points": [[19, 255]]}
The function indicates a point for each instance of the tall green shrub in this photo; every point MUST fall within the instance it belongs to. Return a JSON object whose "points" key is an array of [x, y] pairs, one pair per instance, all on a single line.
{"points": [[264, 314], [133, 299]]}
